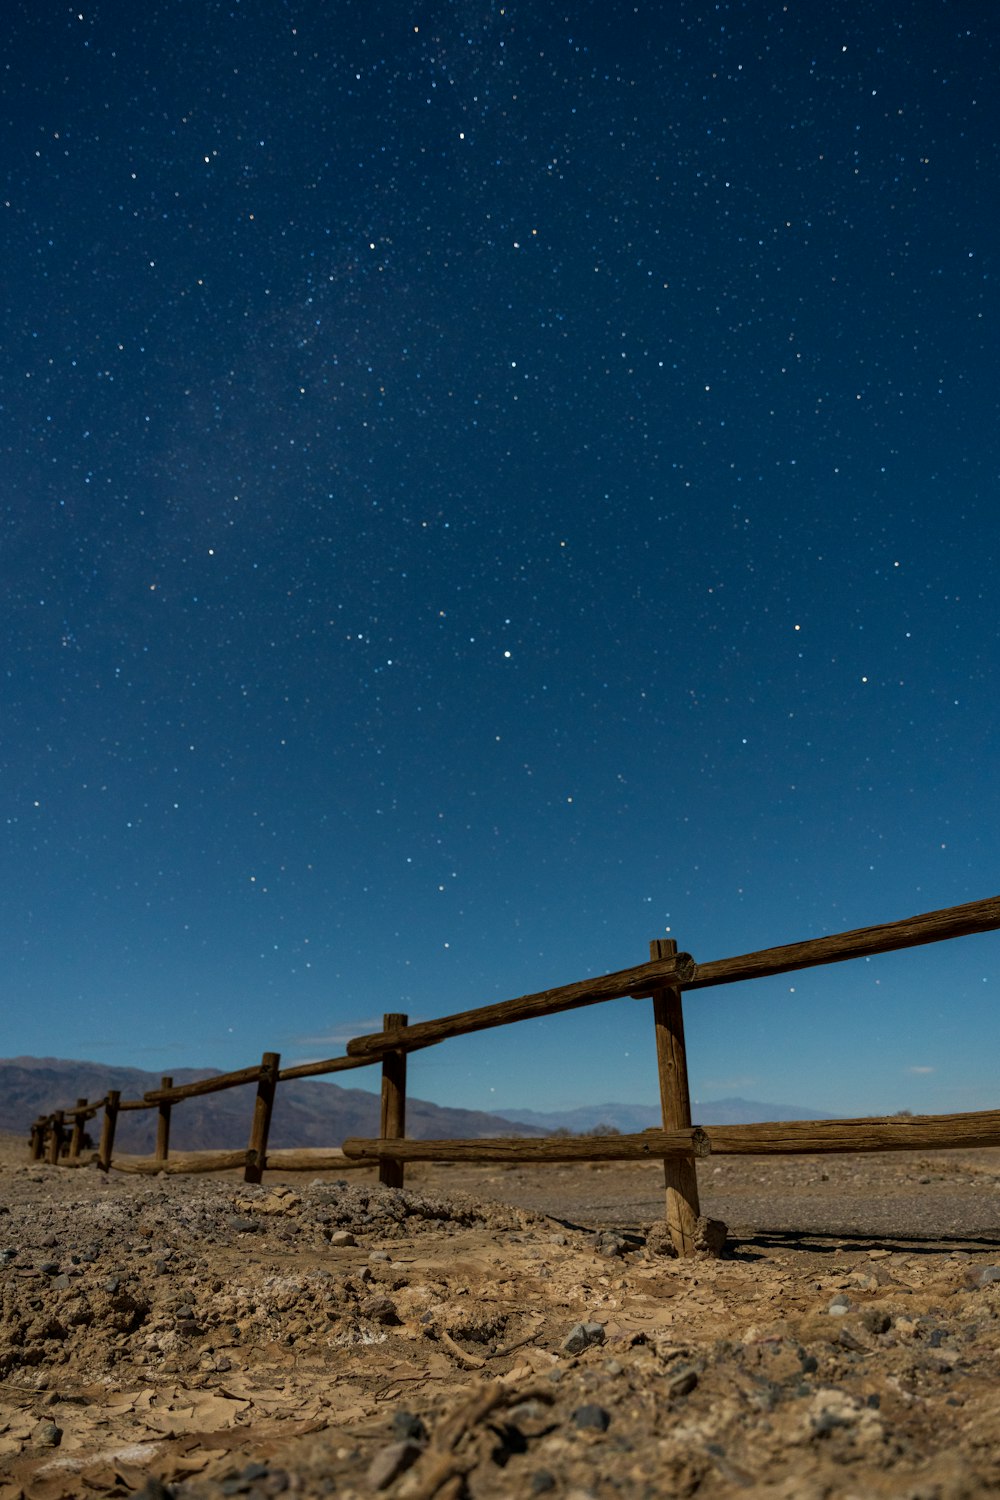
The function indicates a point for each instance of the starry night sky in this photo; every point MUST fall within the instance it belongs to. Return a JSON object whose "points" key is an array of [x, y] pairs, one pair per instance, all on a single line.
{"points": [[485, 486]]}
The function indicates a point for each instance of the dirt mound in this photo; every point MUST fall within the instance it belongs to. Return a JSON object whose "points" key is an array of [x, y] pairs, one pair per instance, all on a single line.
{"points": [[335, 1337]]}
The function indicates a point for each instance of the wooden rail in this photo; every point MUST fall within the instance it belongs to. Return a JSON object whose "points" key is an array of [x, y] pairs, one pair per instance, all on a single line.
{"points": [[639, 981], [888, 937], [678, 1144], [651, 1145]]}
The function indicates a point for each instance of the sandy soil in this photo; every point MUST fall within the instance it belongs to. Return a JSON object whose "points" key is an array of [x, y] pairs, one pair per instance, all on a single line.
{"points": [[502, 1333]]}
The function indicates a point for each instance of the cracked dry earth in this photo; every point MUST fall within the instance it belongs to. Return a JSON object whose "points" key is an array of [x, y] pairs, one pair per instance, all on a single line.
{"points": [[492, 1333]]}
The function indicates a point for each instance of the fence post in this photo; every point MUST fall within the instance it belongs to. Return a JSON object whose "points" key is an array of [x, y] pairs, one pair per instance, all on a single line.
{"points": [[107, 1145], [257, 1149], [163, 1123], [55, 1137], [393, 1112], [76, 1139], [38, 1138], [679, 1174]]}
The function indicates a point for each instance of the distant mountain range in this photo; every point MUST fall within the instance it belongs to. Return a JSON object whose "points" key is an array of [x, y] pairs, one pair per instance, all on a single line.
{"points": [[310, 1112], [630, 1118], [307, 1112]]}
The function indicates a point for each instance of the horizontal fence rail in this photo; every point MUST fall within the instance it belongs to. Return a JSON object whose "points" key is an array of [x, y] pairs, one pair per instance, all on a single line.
{"points": [[888, 937], [651, 1145], [60, 1136], [639, 981]]}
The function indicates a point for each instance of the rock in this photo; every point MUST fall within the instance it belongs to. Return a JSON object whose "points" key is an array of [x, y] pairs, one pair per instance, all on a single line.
{"points": [[406, 1424], [241, 1225], [839, 1306], [710, 1236], [592, 1416], [342, 1238], [980, 1276], [48, 1435], [542, 1481], [392, 1461], [658, 1241], [583, 1336], [610, 1244], [379, 1310], [682, 1384]]}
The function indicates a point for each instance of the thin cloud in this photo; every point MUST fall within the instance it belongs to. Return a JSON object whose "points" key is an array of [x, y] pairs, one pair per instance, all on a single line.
{"points": [[338, 1036], [920, 1069]]}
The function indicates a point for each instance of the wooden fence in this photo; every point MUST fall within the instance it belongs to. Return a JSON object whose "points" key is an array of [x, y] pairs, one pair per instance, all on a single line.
{"points": [[662, 980]]}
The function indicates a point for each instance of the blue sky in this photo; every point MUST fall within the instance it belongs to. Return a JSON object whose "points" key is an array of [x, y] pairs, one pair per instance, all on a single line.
{"points": [[482, 490]]}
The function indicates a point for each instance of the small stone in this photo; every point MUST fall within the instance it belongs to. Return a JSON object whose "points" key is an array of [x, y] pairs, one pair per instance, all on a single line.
{"points": [[592, 1416], [241, 1225], [112, 1285], [341, 1238], [61, 1283], [392, 1461], [682, 1384], [49, 1268], [839, 1306], [406, 1424], [610, 1244], [379, 1310], [48, 1435], [582, 1336], [542, 1481], [980, 1276]]}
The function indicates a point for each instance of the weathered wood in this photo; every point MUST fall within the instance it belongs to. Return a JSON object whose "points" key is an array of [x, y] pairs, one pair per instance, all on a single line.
{"points": [[648, 1146], [393, 1112], [107, 1146], [910, 932], [329, 1065], [182, 1162], [127, 1104], [680, 1179], [56, 1135], [163, 1123], [86, 1110], [257, 1149], [38, 1130], [528, 1007], [203, 1086], [310, 1159], [875, 1133], [285, 1159], [76, 1138]]}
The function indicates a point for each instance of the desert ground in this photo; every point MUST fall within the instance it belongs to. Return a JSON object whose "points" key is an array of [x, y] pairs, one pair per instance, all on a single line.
{"points": [[502, 1332]]}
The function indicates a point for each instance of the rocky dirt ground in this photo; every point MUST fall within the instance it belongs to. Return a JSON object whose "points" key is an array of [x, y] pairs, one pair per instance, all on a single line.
{"points": [[502, 1333]]}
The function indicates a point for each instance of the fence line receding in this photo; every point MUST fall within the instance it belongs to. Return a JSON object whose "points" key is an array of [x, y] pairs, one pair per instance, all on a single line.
{"points": [[60, 1135]]}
